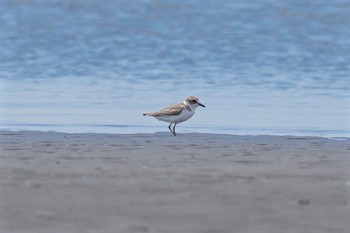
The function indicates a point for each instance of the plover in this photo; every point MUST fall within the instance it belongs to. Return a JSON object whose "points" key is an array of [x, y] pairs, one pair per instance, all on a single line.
{"points": [[177, 113]]}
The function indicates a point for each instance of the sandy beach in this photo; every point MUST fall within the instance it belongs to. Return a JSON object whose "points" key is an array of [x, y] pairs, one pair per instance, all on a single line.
{"points": [[192, 183]]}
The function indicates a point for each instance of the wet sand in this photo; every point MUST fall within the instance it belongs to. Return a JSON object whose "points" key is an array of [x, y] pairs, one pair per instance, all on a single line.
{"points": [[111, 183]]}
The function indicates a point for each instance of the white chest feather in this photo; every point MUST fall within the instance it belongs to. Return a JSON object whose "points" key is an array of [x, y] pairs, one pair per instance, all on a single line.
{"points": [[183, 116]]}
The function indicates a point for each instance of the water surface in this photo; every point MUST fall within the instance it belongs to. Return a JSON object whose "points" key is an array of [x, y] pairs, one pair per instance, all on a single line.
{"points": [[260, 67]]}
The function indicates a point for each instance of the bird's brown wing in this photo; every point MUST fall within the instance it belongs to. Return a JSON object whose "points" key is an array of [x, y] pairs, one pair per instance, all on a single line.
{"points": [[171, 110]]}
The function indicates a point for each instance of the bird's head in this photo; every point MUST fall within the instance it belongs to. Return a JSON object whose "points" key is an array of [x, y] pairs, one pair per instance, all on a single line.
{"points": [[193, 102]]}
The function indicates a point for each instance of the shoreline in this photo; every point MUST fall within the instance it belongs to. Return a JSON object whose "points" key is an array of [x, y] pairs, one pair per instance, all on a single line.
{"points": [[343, 136], [194, 182], [188, 128]]}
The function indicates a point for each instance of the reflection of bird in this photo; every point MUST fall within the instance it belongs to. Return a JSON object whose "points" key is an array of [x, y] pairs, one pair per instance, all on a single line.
{"points": [[177, 113]]}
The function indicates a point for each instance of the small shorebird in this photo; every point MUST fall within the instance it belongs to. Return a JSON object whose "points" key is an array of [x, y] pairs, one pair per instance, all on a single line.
{"points": [[177, 113]]}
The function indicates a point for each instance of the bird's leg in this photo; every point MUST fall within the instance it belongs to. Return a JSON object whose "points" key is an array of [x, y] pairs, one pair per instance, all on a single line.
{"points": [[174, 129], [171, 129]]}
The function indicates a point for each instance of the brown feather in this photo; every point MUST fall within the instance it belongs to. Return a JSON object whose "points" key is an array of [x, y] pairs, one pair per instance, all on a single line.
{"points": [[171, 110]]}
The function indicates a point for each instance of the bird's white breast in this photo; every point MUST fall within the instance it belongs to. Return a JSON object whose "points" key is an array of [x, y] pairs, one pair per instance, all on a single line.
{"points": [[183, 116]]}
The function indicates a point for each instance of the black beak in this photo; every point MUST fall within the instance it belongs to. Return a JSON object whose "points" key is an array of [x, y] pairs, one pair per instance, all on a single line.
{"points": [[201, 105]]}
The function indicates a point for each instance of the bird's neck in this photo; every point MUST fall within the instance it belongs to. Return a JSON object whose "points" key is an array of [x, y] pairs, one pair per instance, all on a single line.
{"points": [[189, 106]]}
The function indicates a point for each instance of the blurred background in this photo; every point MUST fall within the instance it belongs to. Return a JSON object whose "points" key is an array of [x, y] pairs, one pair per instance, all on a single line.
{"points": [[260, 66]]}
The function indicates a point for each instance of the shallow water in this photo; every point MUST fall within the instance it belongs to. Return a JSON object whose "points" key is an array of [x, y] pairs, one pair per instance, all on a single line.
{"points": [[260, 67]]}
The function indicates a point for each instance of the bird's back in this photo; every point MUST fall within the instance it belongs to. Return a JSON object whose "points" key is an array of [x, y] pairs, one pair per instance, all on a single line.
{"points": [[173, 114]]}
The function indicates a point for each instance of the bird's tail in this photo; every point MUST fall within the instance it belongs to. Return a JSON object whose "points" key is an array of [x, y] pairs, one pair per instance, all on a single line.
{"points": [[149, 114]]}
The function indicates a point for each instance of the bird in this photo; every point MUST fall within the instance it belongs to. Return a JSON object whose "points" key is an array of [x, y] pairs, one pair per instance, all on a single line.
{"points": [[177, 113]]}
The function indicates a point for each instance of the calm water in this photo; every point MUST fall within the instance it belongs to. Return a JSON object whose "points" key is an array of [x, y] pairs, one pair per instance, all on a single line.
{"points": [[261, 67]]}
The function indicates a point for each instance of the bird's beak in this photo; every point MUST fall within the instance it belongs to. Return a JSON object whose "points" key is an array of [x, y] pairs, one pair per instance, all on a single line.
{"points": [[201, 105]]}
